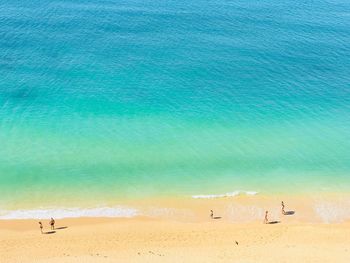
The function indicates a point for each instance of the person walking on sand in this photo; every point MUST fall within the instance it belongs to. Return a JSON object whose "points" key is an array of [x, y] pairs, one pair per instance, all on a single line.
{"points": [[211, 214], [283, 212], [52, 224], [266, 220], [41, 227]]}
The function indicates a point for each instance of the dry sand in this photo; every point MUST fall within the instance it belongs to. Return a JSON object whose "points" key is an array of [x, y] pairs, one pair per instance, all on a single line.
{"points": [[159, 240]]}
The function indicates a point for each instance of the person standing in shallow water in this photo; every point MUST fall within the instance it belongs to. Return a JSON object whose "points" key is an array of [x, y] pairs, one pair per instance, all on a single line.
{"points": [[266, 220], [283, 212], [41, 227], [52, 224]]}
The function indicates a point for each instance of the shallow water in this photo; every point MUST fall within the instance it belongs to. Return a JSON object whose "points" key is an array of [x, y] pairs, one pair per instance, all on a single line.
{"points": [[112, 100]]}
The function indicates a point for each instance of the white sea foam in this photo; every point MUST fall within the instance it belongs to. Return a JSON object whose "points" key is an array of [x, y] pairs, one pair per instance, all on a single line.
{"points": [[333, 212], [230, 194], [173, 213], [58, 213], [244, 213]]}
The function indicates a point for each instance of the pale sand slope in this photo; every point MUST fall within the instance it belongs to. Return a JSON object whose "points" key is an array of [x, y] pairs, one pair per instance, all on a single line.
{"points": [[145, 240]]}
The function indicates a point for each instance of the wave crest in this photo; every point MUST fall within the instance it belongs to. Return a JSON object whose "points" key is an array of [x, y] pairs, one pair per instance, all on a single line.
{"points": [[230, 194]]}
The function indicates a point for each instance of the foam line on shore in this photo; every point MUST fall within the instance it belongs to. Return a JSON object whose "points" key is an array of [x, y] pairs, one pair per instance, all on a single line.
{"points": [[59, 213], [333, 212], [230, 194]]}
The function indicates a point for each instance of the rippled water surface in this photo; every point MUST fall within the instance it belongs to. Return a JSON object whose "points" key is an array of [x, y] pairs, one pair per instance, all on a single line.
{"points": [[105, 100]]}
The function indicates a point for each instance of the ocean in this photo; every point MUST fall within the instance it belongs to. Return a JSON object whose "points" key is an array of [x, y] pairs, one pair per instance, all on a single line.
{"points": [[105, 101]]}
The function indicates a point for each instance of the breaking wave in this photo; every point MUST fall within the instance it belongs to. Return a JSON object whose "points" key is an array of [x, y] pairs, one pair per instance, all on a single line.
{"points": [[230, 194]]}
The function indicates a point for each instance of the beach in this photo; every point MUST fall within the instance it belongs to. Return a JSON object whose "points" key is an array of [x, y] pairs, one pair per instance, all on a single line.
{"points": [[154, 240], [183, 231]]}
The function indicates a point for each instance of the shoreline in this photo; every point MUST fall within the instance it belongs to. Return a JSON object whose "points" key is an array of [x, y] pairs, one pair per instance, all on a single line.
{"points": [[173, 230], [330, 208]]}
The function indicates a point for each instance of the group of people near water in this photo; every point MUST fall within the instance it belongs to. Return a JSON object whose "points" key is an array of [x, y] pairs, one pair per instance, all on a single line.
{"points": [[52, 225], [266, 219]]}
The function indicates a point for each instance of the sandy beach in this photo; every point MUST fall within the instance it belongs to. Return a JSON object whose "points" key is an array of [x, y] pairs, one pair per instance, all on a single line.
{"points": [[157, 240]]}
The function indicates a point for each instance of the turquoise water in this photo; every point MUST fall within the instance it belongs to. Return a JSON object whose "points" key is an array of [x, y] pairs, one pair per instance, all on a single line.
{"points": [[112, 100]]}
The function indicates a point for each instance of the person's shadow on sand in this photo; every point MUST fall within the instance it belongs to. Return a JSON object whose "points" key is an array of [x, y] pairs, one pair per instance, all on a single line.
{"points": [[289, 213], [61, 227], [217, 217], [274, 222], [49, 232]]}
